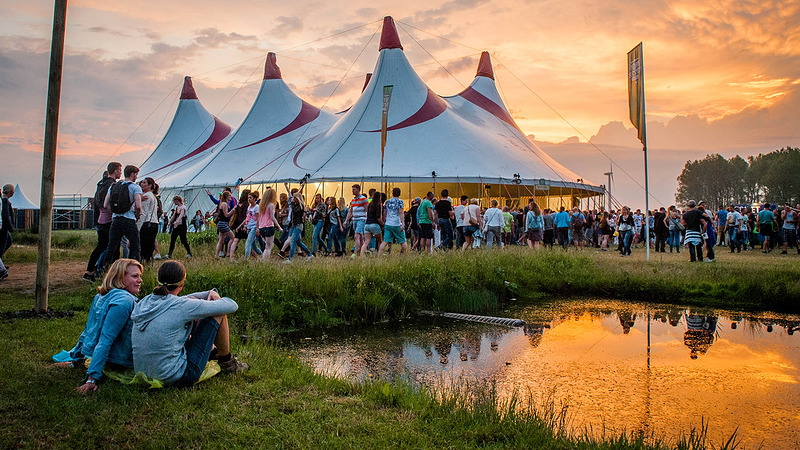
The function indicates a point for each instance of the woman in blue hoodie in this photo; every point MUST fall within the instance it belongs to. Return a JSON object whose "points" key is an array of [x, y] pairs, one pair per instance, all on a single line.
{"points": [[107, 335], [173, 336]]}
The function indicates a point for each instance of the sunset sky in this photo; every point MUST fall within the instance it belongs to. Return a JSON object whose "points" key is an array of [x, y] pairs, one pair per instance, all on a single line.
{"points": [[721, 75]]}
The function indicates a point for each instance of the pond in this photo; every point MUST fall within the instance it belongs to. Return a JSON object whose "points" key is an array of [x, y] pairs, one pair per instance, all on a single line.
{"points": [[619, 366]]}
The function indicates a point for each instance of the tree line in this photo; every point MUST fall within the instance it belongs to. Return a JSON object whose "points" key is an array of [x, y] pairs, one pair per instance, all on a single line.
{"points": [[773, 177]]}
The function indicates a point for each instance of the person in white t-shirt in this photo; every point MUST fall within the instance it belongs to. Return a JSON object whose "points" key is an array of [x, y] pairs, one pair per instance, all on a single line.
{"points": [[394, 229], [493, 225], [459, 214], [148, 220], [732, 226]]}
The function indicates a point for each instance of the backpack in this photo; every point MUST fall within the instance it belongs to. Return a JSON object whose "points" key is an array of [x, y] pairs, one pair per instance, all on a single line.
{"points": [[577, 221], [120, 197], [159, 207], [100, 195]]}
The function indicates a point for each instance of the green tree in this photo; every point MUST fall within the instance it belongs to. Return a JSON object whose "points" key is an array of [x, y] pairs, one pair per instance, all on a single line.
{"points": [[713, 179]]}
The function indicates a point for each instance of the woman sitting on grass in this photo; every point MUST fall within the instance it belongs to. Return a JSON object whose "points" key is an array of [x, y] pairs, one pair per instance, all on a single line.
{"points": [[107, 335], [167, 345]]}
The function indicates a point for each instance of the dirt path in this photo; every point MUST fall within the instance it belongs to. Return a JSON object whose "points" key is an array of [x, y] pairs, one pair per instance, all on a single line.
{"points": [[63, 276]]}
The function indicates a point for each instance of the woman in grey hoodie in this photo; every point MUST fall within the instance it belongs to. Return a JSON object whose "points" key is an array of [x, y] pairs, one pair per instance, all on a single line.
{"points": [[173, 336]]}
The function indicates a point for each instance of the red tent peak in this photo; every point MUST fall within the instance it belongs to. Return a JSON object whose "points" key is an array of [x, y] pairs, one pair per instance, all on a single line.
{"points": [[271, 69], [485, 66], [389, 36], [366, 81], [188, 90]]}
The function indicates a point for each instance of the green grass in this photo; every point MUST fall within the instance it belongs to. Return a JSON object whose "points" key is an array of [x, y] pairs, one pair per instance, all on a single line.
{"points": [[278, 403], [332, 291]]}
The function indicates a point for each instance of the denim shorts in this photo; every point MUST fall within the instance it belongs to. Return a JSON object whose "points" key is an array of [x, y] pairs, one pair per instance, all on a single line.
{"points": [[198, 349], [359, 226], [223, 227], [266, 232], [373, 229]]}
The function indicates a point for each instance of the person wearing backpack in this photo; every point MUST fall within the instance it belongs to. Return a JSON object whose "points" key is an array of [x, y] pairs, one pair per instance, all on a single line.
{"points": [[125, 201], [576, 222], [102, 217]]}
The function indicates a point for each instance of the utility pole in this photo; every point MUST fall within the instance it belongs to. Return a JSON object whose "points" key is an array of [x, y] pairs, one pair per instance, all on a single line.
{"points": [[49, 156]]}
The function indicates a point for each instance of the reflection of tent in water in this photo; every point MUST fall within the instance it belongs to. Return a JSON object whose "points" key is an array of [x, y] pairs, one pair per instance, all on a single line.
{"points": [[699, 334]]}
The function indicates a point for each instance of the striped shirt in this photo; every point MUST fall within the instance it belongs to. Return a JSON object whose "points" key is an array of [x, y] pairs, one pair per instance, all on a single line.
{"points": [[359, 207]]}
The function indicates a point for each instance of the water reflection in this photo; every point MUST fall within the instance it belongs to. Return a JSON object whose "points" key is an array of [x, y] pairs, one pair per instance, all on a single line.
{"points": [[621, 366]]}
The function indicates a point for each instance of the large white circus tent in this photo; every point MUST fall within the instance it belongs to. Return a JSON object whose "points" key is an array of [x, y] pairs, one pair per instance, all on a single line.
{"points": [[468, 142]]}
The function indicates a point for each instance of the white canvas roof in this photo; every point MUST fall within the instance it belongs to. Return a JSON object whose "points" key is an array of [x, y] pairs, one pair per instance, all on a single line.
{"points": [[260, 149], [20, 201], [192, 133], [466, 138]]}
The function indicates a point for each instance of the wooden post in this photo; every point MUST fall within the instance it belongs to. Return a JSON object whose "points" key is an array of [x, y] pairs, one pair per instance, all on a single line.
{"points": [[49, 156]]}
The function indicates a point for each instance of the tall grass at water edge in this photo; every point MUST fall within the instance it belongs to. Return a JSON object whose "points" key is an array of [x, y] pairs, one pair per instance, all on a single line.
{"points": [[329, 291]]}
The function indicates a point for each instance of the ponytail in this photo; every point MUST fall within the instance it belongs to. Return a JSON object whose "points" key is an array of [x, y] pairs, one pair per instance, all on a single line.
{"points": [[171, 276]]}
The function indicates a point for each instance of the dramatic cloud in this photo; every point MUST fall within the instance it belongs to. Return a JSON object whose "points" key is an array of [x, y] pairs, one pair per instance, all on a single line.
{"points": [[721, 76]]}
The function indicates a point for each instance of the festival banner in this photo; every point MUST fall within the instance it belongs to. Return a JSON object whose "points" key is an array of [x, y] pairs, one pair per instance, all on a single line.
{"points": [[636, 89], [387, 97]]}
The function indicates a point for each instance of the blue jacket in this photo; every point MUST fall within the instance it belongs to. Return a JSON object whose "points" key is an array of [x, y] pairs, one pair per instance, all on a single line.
{"points": [[533, 221], [562, 220], [107, 335]]}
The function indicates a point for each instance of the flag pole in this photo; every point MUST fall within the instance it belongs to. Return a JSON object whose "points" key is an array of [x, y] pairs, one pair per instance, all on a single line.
{"points": [[644, 149]]}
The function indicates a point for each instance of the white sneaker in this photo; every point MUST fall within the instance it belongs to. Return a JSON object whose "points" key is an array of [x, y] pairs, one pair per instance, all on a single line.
{"points": [[310, 257], [221, 254], [188, 256], [287, 261], [157, 257], [709, 260]]}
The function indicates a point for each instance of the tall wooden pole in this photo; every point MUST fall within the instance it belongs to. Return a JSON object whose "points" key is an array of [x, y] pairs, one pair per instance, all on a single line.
{"points": [[49, 157]]}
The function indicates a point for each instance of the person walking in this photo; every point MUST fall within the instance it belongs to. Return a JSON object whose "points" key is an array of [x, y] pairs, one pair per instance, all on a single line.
{"points": [[148, 220], [493, 225], [425, 217], [250, 226], [472, 222], [357, 215], [625, 227], [268, 221], [394, 231], [102, 217], [372, 228], [445, 212], [178, 222], [561, 223], [224, 231], [7, 226], [124, 198], [675, 228], [318, 220], [534, 224], [691, 220], [298, 222]]}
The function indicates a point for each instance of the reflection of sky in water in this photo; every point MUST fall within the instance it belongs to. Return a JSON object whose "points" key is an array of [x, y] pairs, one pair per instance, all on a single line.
{"points": [[594, 355]]}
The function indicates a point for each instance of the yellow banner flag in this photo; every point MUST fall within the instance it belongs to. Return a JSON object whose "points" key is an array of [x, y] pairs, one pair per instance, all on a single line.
{"points": [[636, 89], [387, 97]]}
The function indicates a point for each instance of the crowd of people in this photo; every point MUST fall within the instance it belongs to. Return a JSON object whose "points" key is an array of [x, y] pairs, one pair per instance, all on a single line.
{"points": [[132, 213]]}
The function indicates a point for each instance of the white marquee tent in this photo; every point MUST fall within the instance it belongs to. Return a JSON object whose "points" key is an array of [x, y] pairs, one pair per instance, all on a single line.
{"points": [[468, 142]]}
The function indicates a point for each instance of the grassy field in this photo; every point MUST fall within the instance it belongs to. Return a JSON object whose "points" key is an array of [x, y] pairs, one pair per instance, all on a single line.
{"points": [[280, 402]]}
